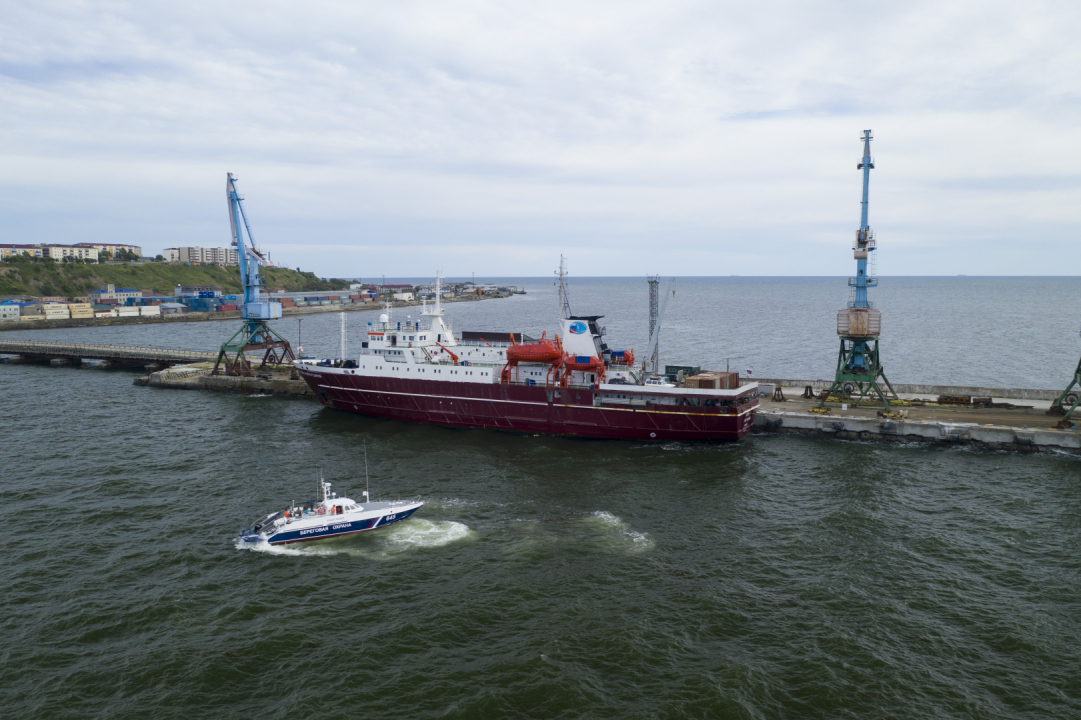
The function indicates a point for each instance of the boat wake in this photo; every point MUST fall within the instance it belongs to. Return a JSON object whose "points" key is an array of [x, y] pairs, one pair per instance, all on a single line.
{"points": [[618, 533], [404, 537]]}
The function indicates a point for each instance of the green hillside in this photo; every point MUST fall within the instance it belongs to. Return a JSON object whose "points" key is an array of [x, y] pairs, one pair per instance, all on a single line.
{"points": [[24, 277]]}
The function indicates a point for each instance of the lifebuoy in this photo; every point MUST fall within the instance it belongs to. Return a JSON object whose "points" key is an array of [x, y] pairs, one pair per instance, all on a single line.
{"points": [[322, 511]]}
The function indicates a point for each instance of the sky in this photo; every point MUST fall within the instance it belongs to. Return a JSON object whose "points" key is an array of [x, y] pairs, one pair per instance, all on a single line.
{"points": [[682, 138]]}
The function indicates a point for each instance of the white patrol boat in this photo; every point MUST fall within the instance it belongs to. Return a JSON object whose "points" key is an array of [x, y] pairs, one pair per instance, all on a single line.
{"points": [[330, 517]]}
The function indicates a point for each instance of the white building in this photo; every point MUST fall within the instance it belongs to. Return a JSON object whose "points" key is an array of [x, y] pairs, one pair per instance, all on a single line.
{"points": [[59, 252], [111, 247], [109, 292], [203, 256]]}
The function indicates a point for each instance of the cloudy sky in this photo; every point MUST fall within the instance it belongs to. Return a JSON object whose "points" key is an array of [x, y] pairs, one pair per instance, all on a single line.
{"points": [[685, 138]]}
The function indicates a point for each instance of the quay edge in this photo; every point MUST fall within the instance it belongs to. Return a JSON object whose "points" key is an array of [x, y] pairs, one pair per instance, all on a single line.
{"points": [[986, 437], [925, 389]]}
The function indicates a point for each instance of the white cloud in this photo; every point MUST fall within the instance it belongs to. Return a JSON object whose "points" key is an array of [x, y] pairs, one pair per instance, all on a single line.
{"points": [[693, 138]]}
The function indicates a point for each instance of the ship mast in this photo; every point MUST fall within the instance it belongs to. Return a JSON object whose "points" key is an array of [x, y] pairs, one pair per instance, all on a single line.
{"points": [[341, 317], [564, 301], [437, 311]]}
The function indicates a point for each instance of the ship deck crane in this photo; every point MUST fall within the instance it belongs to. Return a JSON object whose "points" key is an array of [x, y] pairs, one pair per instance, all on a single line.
{"points": [[255, 333]]}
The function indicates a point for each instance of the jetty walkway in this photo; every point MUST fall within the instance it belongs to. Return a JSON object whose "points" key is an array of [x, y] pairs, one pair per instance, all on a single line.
{"points": [[121, 355]]}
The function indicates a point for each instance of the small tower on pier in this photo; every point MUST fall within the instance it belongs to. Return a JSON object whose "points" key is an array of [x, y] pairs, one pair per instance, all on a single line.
{"points": [[859, 370]]}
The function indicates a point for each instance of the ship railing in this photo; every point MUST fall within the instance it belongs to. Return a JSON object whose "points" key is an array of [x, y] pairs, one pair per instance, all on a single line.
{"points": [[487, 343]]}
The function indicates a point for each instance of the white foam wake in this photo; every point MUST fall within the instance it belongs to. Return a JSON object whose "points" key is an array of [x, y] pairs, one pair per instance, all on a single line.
{"points": [[620, 533]]}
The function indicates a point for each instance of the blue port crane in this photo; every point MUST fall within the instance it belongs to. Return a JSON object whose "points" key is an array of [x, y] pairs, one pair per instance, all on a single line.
{"points": [[859, 325], [255, 333]]}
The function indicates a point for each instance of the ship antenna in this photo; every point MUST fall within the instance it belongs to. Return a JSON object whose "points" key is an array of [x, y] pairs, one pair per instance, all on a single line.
{"points": [[564, 302], [367, 497]]}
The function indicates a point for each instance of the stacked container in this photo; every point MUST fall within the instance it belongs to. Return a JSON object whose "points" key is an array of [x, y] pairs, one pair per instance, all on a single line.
{"points": [[81, 310], [57, 311]]}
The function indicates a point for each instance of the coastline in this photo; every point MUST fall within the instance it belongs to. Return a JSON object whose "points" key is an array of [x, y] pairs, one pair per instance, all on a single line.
{"points": [[211, 316]]}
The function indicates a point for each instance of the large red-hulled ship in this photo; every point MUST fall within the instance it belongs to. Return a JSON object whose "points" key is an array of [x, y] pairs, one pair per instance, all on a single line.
{"points": [[571, 384]]}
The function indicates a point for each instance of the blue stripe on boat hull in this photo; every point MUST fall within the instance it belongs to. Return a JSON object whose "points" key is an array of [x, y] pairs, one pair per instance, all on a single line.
{"points": [[337, 529]]}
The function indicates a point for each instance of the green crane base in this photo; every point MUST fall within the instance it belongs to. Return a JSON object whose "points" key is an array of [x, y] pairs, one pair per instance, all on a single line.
{"points": [[855, 381], [1067, 402], [253, 336]]}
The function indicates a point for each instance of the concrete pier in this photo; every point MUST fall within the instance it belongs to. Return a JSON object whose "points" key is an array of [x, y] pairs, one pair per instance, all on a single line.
{"points": [[1012, 422], [924, 390], [281, 381]]}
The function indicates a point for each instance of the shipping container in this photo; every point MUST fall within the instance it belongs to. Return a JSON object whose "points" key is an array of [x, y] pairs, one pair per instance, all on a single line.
{"points": [[713, 380]]}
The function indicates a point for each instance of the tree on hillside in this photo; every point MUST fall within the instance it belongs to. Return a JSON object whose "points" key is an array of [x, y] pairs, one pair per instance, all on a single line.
{"points": [[104, 256]]}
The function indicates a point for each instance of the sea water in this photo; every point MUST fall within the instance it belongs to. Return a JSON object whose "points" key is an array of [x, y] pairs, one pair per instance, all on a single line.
{"points": [[545, 577]]}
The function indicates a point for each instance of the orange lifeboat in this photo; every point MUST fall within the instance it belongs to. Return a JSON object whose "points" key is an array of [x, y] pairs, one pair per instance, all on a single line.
{"points": [[542, 351]]}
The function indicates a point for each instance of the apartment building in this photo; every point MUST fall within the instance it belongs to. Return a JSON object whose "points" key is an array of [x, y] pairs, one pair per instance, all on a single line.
{"points": [[59, 252], [202, 255], [112, 248], [7, 251]]}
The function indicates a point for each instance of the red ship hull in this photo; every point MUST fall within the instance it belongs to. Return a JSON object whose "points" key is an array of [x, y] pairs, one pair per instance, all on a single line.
{"points": [[525, 409]]}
